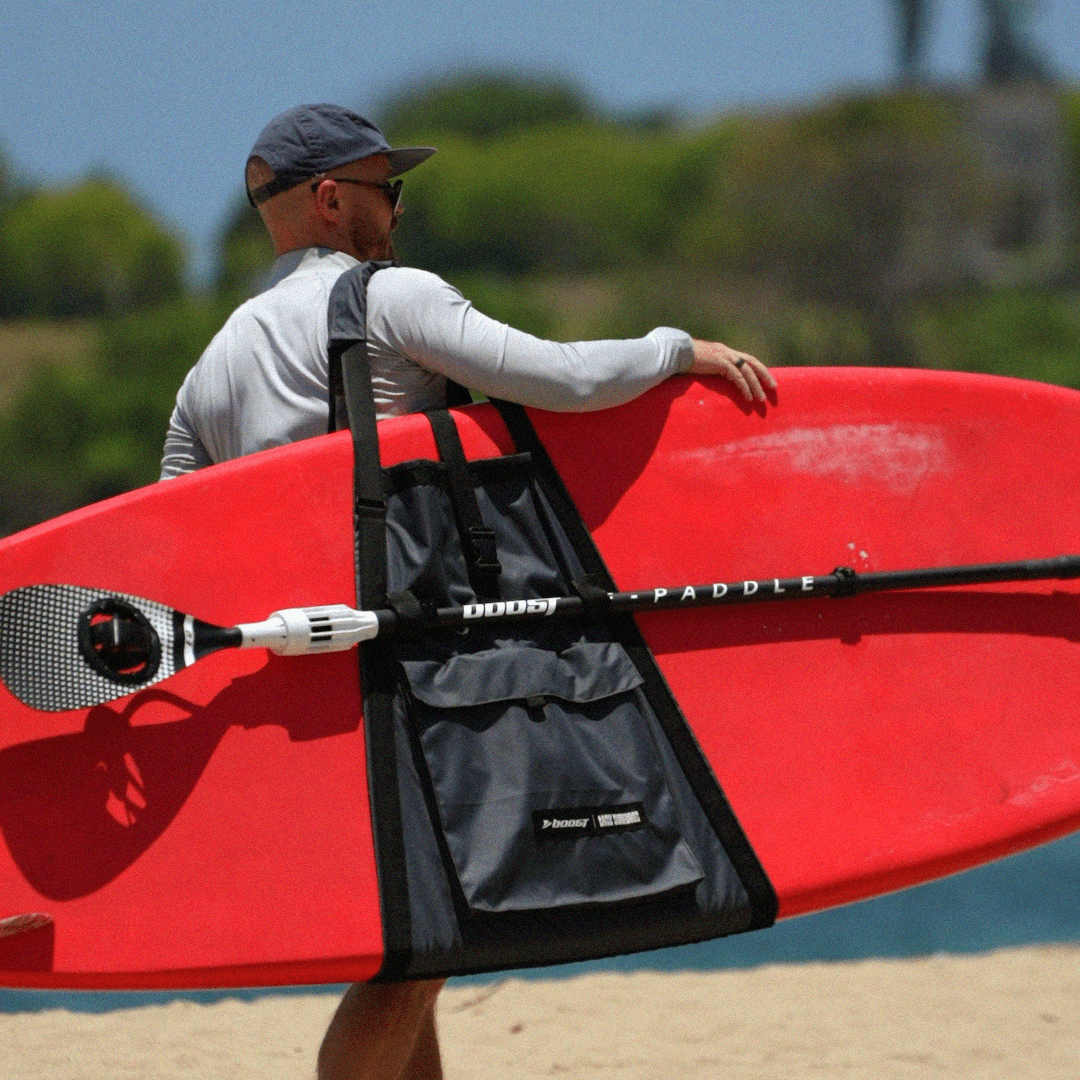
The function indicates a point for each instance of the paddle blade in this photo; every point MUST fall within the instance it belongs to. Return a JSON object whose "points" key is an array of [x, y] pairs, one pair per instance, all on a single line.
{"points": [[67, 647]]}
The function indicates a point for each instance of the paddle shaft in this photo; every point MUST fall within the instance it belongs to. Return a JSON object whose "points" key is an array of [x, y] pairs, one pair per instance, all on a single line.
{"points": [[841, 582]]}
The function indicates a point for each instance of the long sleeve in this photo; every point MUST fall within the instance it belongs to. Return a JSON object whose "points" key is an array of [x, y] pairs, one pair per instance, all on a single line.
{"points": [[419, 316], [184, 451]]}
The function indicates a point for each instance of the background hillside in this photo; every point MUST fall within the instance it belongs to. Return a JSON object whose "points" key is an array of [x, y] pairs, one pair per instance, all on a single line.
{"points": [[914, 228]]}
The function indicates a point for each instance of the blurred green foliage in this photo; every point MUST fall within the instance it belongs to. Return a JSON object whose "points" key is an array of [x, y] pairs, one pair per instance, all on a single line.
{"points": [[839, 234], [552, 200], [531, 178], [84, 250], [481, 106], [76, 435], [245, 254]]}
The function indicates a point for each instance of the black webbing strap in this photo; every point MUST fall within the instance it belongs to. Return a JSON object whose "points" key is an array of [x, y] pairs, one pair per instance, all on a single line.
{"points": [[477, 539], [351, 395], [369, 500], [346, 325], [763, 901]]}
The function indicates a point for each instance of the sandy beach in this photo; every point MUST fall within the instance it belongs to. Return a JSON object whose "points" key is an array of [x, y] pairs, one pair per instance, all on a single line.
{"points": [[1010, 1015]]}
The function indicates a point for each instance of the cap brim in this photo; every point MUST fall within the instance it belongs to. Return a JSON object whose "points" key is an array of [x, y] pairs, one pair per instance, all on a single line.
{"points": [[407, 158]]}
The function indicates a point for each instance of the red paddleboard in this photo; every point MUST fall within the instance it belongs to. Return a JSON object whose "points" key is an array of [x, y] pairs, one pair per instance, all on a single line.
{"points": [[214, 829]]}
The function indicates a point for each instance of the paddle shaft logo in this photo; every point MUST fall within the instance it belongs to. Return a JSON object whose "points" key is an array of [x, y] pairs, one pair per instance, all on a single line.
{"points": [[686, 595]]}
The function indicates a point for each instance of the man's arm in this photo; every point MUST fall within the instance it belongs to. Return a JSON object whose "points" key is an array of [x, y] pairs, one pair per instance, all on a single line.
{"points": [[423, 318]]}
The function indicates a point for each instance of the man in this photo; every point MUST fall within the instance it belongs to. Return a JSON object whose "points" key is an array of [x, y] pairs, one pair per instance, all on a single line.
{"points": [[321, 178]]}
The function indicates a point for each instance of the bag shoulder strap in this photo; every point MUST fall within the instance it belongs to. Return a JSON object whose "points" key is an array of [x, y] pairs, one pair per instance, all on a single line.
{"points": [[352, 402]]}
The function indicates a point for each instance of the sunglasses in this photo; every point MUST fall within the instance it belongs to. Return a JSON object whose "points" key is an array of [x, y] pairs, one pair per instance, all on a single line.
{"points": [[390, 188]]}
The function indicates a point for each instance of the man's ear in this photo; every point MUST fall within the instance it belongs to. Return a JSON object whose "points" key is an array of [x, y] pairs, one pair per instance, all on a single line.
{"points": [[327, 206]]}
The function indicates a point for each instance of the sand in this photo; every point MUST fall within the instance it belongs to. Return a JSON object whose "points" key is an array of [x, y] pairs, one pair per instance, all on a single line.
{"points": [[1010, 1015]]}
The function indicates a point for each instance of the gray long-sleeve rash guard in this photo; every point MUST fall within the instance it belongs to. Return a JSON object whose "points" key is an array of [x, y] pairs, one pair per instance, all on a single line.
{"points": [[262, 381]]}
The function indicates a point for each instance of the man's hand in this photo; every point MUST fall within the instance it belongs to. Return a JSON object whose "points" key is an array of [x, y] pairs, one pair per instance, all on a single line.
{"points": [[747, 372]]}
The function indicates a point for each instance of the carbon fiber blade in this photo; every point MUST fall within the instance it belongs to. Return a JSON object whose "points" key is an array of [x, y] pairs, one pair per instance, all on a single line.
{"points": [[41, 662]]}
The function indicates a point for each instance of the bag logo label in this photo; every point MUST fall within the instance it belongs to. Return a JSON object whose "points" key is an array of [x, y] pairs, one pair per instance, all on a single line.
{"points": [[578, 821]]}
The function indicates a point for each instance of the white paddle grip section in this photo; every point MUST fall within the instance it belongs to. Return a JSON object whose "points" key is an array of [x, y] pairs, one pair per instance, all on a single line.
{"points": [[296, 631]]}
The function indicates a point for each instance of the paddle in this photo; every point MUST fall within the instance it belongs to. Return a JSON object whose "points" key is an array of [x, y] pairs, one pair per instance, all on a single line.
{"points": [[69, 647]]}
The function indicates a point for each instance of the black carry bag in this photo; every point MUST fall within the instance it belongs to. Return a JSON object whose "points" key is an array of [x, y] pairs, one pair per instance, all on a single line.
{"points": [[537, 796]]}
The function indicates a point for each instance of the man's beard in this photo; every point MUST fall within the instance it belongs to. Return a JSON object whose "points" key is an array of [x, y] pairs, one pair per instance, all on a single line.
{"points": [[372, 246]]}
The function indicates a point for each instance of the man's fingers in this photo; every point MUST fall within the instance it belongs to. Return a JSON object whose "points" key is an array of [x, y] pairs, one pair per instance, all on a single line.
{"points": [[747, 372], [755, 375]]}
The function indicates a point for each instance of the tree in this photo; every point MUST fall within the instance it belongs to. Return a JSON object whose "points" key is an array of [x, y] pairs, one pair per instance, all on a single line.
{"points": [[85, 250], [913, 19], [484, 106], [1008, 55], [245, 253]]}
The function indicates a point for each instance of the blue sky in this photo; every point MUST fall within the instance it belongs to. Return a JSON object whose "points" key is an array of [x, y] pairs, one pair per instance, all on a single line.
{"points": [[168, 97]]}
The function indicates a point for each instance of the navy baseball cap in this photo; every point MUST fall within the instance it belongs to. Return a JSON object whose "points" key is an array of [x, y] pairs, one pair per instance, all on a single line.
{"points": [[312, 139]]}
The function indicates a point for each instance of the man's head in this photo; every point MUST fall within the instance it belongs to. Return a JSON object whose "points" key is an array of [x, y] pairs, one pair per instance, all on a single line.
{"points": [[320, 174]]}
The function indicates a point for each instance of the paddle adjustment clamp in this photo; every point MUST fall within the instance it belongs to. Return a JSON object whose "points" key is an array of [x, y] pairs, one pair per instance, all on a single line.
{"points": [[299, 631], [847, 581]]}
